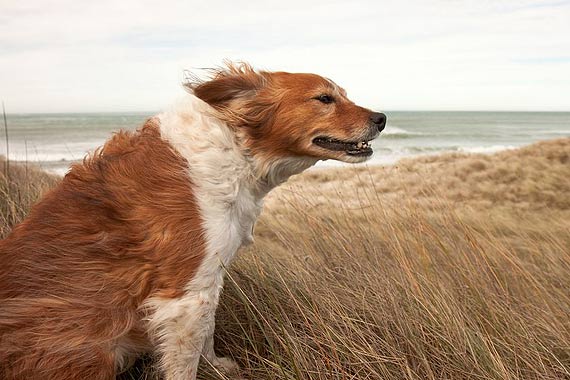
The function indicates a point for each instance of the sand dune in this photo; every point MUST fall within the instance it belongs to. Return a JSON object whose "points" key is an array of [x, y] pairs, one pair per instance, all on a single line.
{"points": [[533, 177]]}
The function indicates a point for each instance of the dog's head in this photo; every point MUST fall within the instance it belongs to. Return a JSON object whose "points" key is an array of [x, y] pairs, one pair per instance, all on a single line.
{"points": [[286, 116]]}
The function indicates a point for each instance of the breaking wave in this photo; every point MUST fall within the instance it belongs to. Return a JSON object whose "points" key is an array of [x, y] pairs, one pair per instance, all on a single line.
{"points": [[396, 132]]}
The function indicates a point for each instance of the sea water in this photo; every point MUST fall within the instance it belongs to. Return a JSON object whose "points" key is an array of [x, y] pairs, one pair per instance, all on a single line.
{"points": [[54, 141]]}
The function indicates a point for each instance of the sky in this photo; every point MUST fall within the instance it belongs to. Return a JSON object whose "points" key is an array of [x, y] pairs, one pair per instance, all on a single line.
{"points": [[127, 55]]}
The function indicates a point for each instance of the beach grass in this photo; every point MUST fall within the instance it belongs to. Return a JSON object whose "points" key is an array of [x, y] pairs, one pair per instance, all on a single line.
{"points": [[21, 185], [444, 267]]}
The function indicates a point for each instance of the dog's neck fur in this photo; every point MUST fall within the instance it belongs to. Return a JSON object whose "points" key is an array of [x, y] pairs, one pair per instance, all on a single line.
{"points": [[211, 146]]}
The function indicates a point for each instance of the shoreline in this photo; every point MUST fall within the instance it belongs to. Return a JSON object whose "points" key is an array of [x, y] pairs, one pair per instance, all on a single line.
{"points": [[60, 167]]}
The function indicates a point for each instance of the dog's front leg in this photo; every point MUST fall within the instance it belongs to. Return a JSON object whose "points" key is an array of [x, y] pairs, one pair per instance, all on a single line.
{"points": [[180, 328], [223, 364]]}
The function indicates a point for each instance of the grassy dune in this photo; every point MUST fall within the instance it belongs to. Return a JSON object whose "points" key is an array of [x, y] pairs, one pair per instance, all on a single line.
{"points": [[20, 187], [445, 267]]}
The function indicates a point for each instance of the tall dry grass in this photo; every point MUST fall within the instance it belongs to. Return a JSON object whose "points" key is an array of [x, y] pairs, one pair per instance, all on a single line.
{"points": [[21, 185], [448, 267]]}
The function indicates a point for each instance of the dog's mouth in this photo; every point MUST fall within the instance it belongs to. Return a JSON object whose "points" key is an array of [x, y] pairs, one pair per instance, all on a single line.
{"points": [[351, 148]]}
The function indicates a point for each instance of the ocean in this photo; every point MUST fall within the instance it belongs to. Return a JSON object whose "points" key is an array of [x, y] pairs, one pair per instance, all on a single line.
{"points": [[53, 141]]}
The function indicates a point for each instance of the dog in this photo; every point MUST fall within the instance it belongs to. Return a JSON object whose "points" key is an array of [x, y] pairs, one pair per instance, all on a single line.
{"points": [[127, 254]]}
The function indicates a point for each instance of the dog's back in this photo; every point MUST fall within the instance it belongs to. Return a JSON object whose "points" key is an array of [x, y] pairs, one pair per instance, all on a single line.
{"points": [[75, 272]]}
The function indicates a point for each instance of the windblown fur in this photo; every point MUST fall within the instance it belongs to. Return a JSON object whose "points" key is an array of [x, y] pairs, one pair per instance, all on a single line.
{"points": [[127, 254]]}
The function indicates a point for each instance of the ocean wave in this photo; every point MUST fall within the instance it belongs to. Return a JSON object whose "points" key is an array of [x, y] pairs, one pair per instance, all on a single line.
{"points": [[47, 156], [486, 149], [35, 151], [563, 132], [426, 149], [397, 132], [421, 150]]}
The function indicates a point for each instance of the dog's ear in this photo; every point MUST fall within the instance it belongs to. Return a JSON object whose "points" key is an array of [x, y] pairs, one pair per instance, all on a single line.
{"points": [[232, 83]]}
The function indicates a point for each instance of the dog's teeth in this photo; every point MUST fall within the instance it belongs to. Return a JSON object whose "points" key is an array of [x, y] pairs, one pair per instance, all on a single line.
{"points": [[359, 145]]}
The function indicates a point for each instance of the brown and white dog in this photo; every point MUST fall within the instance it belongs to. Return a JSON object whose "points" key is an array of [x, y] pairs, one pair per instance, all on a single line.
{"points": [[127, 254]]}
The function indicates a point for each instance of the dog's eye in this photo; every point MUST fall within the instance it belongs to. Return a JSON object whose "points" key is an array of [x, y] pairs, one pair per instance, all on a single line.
{"points": [[324, 98]]}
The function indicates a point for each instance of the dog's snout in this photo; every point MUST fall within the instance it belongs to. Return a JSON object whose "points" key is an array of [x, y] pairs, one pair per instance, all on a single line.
{"points": [[379, 119]]}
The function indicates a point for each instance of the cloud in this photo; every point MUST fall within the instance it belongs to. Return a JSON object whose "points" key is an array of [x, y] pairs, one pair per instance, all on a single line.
{"points": [[129, 55]]}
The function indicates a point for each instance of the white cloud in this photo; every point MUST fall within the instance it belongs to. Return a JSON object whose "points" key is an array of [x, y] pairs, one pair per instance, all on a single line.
{"points": [[129, 55]]}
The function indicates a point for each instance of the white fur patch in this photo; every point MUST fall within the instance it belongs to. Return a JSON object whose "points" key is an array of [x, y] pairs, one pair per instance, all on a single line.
{"points": [[229, 193]]}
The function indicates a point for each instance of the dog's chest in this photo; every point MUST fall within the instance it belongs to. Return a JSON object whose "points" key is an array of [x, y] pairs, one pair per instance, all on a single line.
{"points": [[244, 214], [229, 224]]}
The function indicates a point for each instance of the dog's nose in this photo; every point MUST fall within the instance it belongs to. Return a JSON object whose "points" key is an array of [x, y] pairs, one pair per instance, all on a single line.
{"points": [[379, 119]]}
